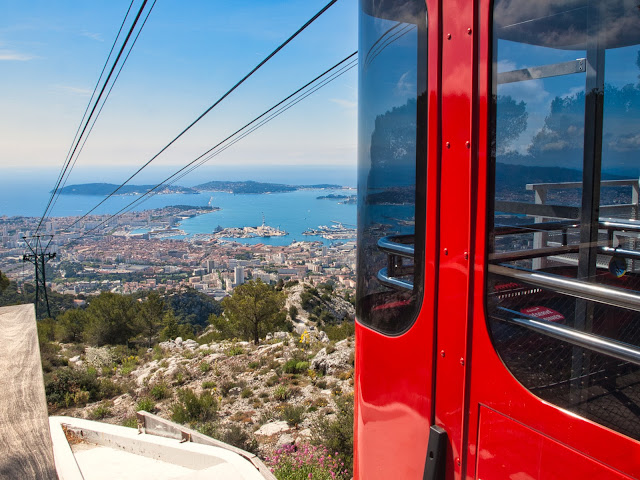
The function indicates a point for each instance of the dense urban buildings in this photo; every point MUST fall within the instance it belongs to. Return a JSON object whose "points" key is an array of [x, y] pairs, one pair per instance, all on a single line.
{"points": [[147, 251]]}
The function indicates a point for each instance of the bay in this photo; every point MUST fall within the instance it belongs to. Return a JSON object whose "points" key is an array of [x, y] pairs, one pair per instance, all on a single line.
{"points": [[26, 193]]}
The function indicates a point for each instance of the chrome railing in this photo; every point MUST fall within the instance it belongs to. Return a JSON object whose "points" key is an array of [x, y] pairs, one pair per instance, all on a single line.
{"points": [[618, 297], [597, 343], [397, 248]]}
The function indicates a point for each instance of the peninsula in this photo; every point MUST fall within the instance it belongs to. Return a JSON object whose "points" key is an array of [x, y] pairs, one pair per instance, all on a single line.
{"points": [[251, 187], [104, 189], [245, 187]]}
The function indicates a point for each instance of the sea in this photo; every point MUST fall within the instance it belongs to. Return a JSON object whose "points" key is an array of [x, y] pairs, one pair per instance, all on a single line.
{"points": [[22, 194]]}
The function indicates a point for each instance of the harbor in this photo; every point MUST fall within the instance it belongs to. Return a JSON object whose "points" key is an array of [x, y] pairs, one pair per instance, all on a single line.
{"points": [[338, 231]]}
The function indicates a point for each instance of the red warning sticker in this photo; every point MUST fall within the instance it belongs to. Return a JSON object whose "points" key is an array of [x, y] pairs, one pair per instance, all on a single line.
{"points": [[545, 313]]}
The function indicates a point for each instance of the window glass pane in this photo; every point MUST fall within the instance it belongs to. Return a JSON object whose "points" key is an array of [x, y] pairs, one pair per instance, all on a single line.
{"points": [[392, 64], [566, 84]]}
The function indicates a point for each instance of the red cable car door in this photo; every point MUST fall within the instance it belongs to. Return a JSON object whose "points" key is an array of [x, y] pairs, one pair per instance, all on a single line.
{"points": [[538, 366]]}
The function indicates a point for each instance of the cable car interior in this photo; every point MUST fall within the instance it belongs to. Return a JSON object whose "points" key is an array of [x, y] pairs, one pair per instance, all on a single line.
{"points": [[498, 303]]}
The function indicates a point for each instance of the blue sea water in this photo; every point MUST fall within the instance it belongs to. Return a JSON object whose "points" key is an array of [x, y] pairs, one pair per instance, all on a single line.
{"points": [[293, 211]]}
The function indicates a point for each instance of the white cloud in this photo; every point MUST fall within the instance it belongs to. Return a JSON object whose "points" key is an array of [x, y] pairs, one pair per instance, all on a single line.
{"points": [[12, 55], [93, 36], [506, 66], [344, 103], [573, 91], [74, 90], [405, 87]]}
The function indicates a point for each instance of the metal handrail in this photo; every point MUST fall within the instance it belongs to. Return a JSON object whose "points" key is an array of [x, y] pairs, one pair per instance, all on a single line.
{"points": [[561, 250], [617, 224], [393, 282], [617, 297], [613, 348], [534, 227], [394, 245]]}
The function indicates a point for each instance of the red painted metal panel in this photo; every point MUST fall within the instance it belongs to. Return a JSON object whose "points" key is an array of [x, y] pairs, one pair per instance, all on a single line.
{"points": [[395, 402], [591, 446], [392, 398], [511, 451], [457, 178], [394, 375]]}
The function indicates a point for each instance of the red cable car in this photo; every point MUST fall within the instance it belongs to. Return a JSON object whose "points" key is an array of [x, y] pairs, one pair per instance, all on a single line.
{"points": [[498, 308]]}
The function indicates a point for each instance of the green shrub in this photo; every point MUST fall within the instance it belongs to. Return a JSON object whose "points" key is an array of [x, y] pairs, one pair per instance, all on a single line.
{"points": [[238, 437], [271, 381], [191, 408], [293, 414], [63, 387], [253, 365], [131, 422], [234, 350], [321, 383], [205, 367], [339, 332], [208, 385], [50, 357], [211, 429], [100, 412], [129, 364], [159, 391], [281, 393], [226, 386], [337, 433], [108, 388], [146, 404], [295, 366], [246, 393]]}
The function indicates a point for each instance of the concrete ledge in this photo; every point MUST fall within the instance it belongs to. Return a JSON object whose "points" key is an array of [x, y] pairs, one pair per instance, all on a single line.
{"points": [[165, 428], [191, 455], [66, 465]]}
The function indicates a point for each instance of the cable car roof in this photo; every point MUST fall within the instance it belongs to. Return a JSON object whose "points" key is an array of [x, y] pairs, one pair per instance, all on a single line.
{"points": [[564, 24], [568, 24]]}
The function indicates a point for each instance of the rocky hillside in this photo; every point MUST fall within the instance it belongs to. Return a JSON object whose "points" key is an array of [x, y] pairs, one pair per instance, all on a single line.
{"points": [[282, 391], [316, 306]]}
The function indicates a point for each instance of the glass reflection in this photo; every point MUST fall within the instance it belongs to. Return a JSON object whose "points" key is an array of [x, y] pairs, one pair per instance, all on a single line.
{"points": [[392, 39], [566, 79]]}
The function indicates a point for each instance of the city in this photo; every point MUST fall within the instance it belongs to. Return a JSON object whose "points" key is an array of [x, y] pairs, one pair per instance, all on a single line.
{"points": [[114, 258]]}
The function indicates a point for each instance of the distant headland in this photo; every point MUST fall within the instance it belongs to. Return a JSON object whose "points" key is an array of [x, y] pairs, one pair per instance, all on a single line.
{"points": [[246, 187], [103, 189]]}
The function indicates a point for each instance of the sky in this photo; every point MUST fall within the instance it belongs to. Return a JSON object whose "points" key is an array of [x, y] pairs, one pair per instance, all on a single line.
{"points": [[188, 55]]}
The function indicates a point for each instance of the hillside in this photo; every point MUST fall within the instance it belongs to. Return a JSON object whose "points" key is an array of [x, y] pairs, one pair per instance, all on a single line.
{"points": [[289, 389], [285, 391]]}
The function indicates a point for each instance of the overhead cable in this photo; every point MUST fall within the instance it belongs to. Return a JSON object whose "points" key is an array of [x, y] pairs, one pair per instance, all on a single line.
{"points": [[78, 138], [202, 159], [84, 141], [203, 114]]}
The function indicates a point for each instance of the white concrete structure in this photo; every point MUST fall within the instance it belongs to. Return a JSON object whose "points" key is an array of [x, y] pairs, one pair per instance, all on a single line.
{"points": [[105, 451]]}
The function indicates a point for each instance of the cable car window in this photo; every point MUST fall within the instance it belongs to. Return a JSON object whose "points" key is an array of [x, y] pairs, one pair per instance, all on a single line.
{"points": [[391, 157], [563, 292]]}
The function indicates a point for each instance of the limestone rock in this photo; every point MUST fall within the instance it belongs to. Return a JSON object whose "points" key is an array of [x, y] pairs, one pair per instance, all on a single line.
{"points": [[272, 428], [285, 439]]}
